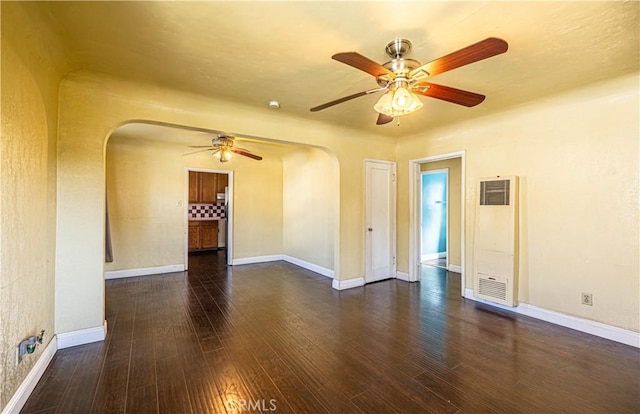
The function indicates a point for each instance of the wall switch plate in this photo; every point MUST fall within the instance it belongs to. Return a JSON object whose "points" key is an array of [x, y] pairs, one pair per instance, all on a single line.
{"points": [[587, 299]]}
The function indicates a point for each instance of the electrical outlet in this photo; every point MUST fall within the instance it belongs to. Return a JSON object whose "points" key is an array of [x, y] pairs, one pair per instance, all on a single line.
{"points": [[587, 299]]}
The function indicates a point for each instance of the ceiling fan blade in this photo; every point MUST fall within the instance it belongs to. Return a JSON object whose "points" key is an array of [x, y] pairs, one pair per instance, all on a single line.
{"points": [[383, 119], [344, 99], [199, 146], [449, 94], [195, 152], [470, 54], [246, 154], [363, 63]]}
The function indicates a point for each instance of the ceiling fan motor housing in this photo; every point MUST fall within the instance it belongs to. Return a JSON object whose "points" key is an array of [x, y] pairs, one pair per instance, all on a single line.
{"points": [[399, 65], [222, 141], [397, 48]]}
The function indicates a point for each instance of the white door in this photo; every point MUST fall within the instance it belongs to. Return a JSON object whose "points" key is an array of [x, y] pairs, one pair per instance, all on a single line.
{"points": [[380, 220]]}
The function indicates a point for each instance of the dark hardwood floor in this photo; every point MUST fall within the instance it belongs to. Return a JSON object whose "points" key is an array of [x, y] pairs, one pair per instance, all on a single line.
{"points": [[277, 337]]}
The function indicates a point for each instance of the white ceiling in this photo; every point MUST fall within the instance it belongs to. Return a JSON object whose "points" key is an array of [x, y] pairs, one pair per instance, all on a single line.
{"points": [[253, 52]]}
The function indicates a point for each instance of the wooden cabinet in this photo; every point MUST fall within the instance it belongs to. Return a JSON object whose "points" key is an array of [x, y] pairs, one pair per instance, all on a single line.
{"points": [[203, 187], [194, 192], [203, 235], [209, 234], [222, 182], [208, 187], [194, 235]]}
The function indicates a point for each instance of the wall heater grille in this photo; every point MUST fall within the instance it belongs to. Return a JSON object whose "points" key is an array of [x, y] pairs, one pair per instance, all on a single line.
{"points": [[495, 193], [496, 241], [491, 287]]}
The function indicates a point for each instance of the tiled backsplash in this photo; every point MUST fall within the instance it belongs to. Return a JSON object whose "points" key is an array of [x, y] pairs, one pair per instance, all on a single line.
{"points": [[206, 211]]}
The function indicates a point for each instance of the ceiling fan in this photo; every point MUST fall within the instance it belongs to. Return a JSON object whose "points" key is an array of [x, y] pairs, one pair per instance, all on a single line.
{"points": [[403, 78], [222, 147]]}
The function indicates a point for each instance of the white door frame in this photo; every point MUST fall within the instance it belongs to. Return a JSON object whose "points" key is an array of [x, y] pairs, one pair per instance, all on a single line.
{"points": [[446, 201], [229, 245], [392, 224], [414, 214]]}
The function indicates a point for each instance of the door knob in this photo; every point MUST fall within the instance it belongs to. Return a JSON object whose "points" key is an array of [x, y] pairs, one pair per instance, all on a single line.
{"points": [[369, 229]]}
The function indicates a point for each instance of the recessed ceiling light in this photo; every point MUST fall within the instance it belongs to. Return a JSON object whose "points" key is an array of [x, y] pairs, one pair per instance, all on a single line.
{"points": [[274, 104]]}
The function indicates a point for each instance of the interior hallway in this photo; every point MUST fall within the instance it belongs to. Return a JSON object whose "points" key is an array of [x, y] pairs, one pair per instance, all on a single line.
{"points": [[215, 338]]}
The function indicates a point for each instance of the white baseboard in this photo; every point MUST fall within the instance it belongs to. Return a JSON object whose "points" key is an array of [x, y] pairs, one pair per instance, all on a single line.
{"points": [[257, 259], [348, 283], [117, 274], [455, 268], [27, 386], [293, 260], [82, 336], [309, 266], [402, 276], [602, 330]]}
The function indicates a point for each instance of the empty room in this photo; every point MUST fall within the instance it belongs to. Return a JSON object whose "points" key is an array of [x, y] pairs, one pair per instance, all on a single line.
{"points": [[320, 207]]}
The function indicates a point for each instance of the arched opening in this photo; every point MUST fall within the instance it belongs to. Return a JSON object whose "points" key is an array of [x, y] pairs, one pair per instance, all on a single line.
{"points": [[283, 207]]}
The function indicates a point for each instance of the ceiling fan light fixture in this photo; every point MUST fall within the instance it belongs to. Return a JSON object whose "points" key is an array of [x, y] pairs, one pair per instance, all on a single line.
{"points": [[383, 105], [401, 99], [397, 102], [225, 155]]}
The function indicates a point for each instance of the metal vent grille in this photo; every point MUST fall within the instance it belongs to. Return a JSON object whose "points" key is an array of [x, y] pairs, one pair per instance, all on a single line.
{"points": [[492, 288], [494, 193]]}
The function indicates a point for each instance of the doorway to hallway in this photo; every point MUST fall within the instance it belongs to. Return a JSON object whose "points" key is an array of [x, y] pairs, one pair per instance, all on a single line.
{"points": [[443, 244], [434, 218]]}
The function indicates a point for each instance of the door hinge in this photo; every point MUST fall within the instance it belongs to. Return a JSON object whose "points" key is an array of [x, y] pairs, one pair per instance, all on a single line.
{"points": [[394, 177], [394, 260]]}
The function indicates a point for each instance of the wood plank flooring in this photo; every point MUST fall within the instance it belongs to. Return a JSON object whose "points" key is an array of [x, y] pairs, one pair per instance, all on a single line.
{"points": [[275, 337]]}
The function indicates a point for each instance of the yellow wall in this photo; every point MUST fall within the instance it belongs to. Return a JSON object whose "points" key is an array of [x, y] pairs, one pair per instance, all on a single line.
{"points": [[257, 205], [145, 181], [31, 68], [454, 205], [91, 106], [310, 206], [290, 195], [577, 159]]}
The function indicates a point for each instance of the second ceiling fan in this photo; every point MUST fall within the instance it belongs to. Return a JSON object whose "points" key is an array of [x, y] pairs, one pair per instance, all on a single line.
{"points": [[222, 147], [403, 78]]}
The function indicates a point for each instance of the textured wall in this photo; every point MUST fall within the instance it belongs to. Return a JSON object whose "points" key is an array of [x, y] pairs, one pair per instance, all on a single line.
{"points": [[30, 83], [577, 158], [310, 207], [145, 180]]}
